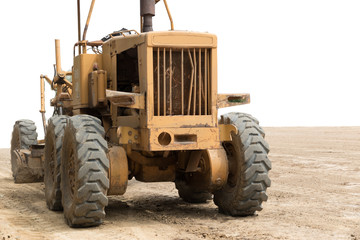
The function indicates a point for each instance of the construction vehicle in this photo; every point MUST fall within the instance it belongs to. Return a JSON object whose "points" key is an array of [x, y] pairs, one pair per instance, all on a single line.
{"points": [[144, 106]]}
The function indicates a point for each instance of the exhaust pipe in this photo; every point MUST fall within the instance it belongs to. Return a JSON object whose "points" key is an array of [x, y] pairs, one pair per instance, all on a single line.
{"points": [[147, 11]]}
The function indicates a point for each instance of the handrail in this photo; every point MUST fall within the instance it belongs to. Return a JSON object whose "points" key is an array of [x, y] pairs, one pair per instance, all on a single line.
{"points": [[122, 32], [169, 14], [79, 23], [88, 19], [119, 33]]}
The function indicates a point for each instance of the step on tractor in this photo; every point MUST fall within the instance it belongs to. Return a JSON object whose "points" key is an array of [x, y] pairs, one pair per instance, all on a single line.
{"points": [[142, 105]]}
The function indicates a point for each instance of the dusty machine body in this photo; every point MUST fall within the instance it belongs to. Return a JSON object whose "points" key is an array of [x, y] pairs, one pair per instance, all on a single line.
{"points": [[145, 106]]}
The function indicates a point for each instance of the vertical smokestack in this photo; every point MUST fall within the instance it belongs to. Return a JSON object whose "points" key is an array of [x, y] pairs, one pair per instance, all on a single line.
{"points": [[147, 11]]}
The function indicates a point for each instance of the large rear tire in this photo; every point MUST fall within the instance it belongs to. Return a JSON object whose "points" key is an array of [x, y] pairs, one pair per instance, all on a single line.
{"points": [[23, 136], [53, 145], [249, 165], [84, 172]]}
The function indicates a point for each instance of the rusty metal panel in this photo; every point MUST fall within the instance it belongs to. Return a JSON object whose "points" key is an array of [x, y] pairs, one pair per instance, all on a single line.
{"points": [[128, 135], [181, 83], [168, 139], [83, 65], [183, 74], [129, 121], [93, 89], [126, 99], [183, 121], [181, 39]]}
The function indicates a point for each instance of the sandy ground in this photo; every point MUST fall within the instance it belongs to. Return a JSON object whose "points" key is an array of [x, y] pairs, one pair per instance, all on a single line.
{"points": [[315, 194]]}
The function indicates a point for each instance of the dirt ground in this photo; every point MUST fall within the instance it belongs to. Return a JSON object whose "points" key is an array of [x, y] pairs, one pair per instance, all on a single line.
{"points": [[315, 194]]}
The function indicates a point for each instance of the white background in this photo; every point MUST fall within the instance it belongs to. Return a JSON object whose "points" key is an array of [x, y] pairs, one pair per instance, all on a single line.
{"points": [[300, 60]]}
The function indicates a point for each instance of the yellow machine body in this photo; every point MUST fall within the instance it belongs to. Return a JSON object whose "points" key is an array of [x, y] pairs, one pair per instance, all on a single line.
{"points": [[156, 94], [144, 106]]}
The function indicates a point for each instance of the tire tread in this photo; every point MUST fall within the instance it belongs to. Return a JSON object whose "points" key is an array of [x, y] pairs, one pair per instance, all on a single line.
{"points": [[250, 190], [90, 197]]}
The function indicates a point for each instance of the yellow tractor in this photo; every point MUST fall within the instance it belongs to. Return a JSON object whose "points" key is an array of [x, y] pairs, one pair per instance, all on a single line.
{"points": [[142, 105]]}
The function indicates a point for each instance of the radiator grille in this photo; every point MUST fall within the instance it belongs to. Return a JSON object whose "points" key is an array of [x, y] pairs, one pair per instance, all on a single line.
{"points": [[182, 81]]}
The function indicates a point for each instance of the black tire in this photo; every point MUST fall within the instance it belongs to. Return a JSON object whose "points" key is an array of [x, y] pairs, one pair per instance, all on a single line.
{"points": [[249, 165], [190, 194], [23, 136], [53, 145], [84, 172]]}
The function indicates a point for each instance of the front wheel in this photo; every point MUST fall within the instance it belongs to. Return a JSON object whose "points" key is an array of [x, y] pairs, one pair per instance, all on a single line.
{"points": [[53, 144], [23, 136], [249, 165], [84, 172]]}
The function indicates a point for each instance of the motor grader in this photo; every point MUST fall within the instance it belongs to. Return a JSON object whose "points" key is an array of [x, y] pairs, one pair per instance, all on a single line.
{"points": [[144, 106]]}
